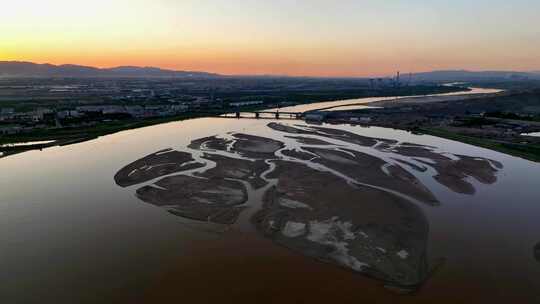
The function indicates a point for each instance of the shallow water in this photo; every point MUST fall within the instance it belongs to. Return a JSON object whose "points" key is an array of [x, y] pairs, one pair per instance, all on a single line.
{"points": [[30, 143], [357, 102], [69, 234]]}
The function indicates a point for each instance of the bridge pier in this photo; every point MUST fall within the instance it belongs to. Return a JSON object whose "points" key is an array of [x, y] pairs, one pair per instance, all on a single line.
{"points": [[276, 115]]}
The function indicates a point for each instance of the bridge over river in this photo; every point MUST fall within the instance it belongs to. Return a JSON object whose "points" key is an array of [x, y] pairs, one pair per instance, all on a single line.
{"points": [[266, 114]]}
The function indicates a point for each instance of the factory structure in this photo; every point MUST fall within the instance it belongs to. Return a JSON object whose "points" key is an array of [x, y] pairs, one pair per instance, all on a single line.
{"points": [[395, 82]]}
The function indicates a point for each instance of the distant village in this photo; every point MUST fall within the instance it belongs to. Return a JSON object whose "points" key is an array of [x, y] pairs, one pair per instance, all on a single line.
{"points": [[14, 122], [31, 104]]}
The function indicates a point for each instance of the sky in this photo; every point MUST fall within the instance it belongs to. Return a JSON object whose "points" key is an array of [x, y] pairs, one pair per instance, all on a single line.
{"points": [[303, 37]]}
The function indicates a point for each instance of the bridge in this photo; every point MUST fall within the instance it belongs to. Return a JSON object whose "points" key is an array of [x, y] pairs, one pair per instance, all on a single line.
{"points": [[268, 115]]}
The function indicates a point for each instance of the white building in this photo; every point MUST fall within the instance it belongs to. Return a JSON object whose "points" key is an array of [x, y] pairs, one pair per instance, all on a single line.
{"points": [[315, 116], [245, 103], [68, 113]]}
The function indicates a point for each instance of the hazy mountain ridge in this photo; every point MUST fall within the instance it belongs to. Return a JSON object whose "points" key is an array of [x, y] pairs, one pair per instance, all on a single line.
{"points": [[29, 69], [465, 75]]}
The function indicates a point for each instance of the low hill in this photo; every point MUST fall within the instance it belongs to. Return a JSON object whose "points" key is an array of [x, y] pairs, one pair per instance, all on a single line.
{"points": [[29, 69]]}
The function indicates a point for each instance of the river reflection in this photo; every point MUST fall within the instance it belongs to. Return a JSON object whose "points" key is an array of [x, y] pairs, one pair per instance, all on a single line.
{"points": [[70, 234]]}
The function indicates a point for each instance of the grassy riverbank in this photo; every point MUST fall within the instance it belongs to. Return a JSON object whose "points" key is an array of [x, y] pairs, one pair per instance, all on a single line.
{"points": [[67, 136], [526, 151], [90, 132], [104, 128], [70, 135]]}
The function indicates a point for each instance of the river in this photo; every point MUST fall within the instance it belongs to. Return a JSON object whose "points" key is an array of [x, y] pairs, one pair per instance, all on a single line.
{"points": [[359, 103], [70, 234]]}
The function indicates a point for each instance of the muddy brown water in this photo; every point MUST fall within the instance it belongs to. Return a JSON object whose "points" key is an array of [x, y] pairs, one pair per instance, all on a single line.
{"points": [[69, 234]]}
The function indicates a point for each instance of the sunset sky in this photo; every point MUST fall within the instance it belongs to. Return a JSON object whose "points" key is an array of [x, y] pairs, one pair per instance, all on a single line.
{"points": [[316, 37]]}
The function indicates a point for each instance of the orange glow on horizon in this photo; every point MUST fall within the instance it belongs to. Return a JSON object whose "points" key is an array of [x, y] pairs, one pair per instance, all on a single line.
{"points": [[307, 38]]}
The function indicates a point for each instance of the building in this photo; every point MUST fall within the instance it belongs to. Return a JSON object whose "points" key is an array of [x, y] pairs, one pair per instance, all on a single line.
{"points": [[68, 114], [8, 130], [135, 111], [246, 103], [38, 114], [363, 119], [315, 116], [90, 109], [7, 111], [113, 109], [179, 108]]}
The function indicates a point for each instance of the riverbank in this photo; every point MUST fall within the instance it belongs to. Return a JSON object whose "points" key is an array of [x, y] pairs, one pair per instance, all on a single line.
{"points": [[529, 151], [481, 93], [477, 120], [474, 93], [67, 135]]}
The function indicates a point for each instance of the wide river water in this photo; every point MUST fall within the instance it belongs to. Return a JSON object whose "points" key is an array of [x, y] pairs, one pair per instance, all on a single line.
{"points": [[359, 103], [69, 234]]}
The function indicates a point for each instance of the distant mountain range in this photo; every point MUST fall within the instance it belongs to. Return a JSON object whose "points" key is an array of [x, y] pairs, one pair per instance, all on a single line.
{"points": [[28, 69], [463, 75]]}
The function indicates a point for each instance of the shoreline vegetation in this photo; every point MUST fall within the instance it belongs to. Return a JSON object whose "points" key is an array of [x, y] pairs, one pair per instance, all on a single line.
{"points": [[67, 135], [495, 121], [527, 151]]}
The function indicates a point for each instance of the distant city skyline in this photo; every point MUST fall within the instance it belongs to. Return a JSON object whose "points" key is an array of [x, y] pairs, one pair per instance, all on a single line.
{"points": [[301, 38]]}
